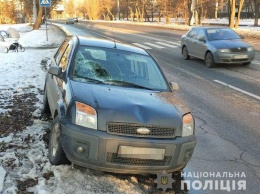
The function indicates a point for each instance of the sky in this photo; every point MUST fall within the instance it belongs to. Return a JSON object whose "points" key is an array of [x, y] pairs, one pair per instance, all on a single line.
{"points": [[24, 72]]}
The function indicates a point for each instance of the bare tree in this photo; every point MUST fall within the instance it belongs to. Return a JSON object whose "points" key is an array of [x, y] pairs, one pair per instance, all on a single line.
{"points": [[232, 13], [93, 9], [82, 8], [38, 22], [70, 8], [241, 3], [7, 13], [108, 9], [257, 5]]}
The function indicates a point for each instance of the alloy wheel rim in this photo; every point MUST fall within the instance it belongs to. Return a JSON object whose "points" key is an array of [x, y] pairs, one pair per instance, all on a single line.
{"points": [[208, 60], [184, 52]]}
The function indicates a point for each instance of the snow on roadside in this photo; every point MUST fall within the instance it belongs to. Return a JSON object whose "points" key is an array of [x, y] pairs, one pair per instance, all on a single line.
{"points": [[32, 39], [2, 177]]}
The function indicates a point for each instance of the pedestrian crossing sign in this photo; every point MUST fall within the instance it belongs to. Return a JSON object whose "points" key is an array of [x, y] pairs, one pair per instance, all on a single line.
{"points": [[45, 3]]}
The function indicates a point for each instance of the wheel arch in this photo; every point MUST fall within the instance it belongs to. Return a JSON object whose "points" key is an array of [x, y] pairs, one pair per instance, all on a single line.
{"points": [[208, 51], [60, 110]]}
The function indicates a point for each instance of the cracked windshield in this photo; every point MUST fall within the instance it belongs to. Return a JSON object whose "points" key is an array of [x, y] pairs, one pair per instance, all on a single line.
{"points": [[129, 97]]}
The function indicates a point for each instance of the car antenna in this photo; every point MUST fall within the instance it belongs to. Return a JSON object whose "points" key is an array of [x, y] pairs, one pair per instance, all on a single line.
{"points": [[113, 36]]}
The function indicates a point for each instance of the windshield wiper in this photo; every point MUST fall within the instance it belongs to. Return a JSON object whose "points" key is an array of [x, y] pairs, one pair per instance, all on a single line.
{"points": [[89, 79], [127, 84]]}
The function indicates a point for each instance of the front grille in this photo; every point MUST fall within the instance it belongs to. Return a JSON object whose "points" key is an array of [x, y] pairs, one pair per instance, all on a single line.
{"points": [[239, 49], [129, 129], [115, 159], [239, 60]]}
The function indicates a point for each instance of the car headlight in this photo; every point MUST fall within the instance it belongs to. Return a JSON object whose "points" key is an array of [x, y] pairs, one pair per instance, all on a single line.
{"points": [[250, 48], [86, 116], [187, 125], [224, 50]]}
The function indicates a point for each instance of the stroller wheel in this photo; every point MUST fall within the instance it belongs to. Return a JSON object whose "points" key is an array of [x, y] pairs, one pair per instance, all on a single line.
{"points": [[22, 49], [6, 50]]}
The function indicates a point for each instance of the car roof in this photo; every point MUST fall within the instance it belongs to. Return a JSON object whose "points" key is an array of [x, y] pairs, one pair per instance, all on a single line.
{"points": [[104, 43], [212, 27]]}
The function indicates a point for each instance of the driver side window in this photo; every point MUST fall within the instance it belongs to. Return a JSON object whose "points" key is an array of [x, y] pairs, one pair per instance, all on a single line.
{"points": [[193, 33], [201, 35], [65, 57]]}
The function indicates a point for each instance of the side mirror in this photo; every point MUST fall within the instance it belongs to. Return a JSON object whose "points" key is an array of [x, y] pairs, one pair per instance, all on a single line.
{"points": [[202, 39], [56, 71], [174, 86], [242, 36]]}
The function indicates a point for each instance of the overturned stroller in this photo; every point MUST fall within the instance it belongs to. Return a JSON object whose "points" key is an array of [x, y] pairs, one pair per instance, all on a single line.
{"points": [[15, 47]]}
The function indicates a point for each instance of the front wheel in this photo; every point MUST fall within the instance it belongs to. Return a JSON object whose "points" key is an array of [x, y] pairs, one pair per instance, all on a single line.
{"points": [[56, 153], [209, 60], [185, 53]]}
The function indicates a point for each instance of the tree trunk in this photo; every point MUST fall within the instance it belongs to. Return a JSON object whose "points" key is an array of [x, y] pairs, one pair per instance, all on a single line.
{"points": [[239, 13], [38, 22], [190, 11], [256, 13], [233, 13]]}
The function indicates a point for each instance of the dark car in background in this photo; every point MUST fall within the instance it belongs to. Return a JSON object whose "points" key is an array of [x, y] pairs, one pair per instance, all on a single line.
{"points": [[76, 19], [216, 45], [113, 110]]}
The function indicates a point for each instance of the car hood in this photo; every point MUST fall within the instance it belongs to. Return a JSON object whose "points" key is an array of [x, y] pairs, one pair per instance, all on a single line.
{"points": [[131, 105], [220, 44]]}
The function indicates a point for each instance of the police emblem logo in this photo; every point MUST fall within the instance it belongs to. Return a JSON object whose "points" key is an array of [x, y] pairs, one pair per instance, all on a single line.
{"points": [[164, 180]]}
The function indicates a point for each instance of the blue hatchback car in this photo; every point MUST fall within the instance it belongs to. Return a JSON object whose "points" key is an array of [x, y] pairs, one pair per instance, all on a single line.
{"points": [[113, 110]]}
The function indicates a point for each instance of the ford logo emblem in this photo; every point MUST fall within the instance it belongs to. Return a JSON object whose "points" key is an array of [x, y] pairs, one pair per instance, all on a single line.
{"points": [[143, 131]]}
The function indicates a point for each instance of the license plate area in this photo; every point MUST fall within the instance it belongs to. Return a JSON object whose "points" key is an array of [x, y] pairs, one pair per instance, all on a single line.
{"points": [[141, 152], [240, 57]]}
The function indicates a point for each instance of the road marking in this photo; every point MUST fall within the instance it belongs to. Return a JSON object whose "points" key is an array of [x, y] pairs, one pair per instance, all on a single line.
{"points": [[238, 89], [165, 44], [154, 45], [142, 46], [175, 43]]}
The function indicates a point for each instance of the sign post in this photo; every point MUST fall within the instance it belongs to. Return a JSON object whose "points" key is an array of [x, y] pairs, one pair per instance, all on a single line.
{"points": [[45, 3]]}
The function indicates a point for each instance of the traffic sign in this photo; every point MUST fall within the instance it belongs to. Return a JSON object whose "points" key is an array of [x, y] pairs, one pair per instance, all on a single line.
{"points": [[45, 3]]}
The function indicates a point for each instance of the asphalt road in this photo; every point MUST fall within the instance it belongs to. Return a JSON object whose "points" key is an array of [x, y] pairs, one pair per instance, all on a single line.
{"points": [[225, 101]]}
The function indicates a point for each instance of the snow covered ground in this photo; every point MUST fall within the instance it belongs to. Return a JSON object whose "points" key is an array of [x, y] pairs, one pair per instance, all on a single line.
{"points": [[24, 166]]}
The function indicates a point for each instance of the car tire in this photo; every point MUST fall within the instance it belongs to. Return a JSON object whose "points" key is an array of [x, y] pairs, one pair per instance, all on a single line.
{"points": [[247, 63], [185, 53], [56, 153], [46, 106], [209, 60]]}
